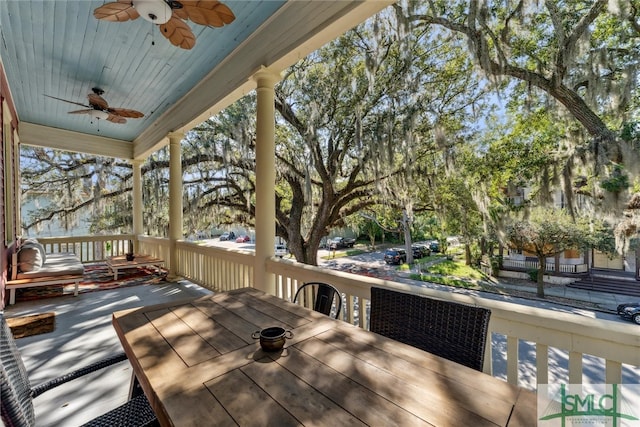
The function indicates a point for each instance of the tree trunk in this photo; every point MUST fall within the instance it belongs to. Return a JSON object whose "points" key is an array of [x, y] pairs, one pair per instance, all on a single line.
{"points": [[407, 237], [542, 262], [467, 254]]}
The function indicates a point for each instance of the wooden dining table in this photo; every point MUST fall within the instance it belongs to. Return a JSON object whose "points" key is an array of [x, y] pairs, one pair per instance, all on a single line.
{"points": [[198, 365]]}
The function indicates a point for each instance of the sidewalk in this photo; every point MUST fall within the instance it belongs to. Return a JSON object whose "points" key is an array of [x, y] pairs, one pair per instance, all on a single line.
{"points": [[600, 300]]}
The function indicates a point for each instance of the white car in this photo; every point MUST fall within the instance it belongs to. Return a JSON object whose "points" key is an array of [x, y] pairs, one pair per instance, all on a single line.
{"points": [[281, 250]]}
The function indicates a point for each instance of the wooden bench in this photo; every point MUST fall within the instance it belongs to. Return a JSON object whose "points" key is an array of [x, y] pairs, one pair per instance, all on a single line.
{"points": [[58, 269]]}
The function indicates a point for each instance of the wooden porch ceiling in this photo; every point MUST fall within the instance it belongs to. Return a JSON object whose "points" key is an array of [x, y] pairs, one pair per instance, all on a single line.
{"points": [[58, 48]]}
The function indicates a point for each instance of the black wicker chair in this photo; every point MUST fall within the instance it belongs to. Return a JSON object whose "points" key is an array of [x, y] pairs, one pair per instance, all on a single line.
{"points": [[16, 406], [323, 296], [457, 332]]}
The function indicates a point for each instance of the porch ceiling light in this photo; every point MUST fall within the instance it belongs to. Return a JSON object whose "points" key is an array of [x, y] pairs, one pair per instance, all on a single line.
{"points": [[99, 114], [155, 11]]}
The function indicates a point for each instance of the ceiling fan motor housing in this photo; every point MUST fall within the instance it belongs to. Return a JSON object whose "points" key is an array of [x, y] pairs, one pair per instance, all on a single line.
{"points": [[155, 11]]}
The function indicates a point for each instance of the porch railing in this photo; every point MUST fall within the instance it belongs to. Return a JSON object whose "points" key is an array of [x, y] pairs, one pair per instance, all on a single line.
{"points": [[550, 267], [89, 248], [618, 344], [578, 336]]}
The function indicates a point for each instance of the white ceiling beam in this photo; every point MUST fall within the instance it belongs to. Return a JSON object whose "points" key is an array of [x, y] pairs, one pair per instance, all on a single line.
{"points": [[48, 137]]}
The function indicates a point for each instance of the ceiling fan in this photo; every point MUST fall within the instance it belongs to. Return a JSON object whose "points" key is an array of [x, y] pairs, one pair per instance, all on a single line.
{"points": [[99, 109], [170, 15]]}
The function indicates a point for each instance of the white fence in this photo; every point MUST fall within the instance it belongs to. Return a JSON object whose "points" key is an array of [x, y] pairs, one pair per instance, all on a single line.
{"points": [[551, 267]]}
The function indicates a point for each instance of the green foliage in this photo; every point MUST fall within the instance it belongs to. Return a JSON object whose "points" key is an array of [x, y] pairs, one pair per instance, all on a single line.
{"points": [[443, 280], [630, 131], [404, 267], [533, 275], [343, 253], [601, 237], [616, 182], [496, 263], [547, 232]]}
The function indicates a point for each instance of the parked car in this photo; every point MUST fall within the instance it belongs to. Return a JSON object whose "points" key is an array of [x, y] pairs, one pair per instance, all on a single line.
{"points": [[281, 250], [243, 239], [434, 246], [227, 235], [395, 256], [420, 250], [630, 311], [341, 242]]}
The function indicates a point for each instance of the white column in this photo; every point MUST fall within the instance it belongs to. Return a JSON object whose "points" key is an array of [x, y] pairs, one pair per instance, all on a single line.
{"points": [[265, 178], [137, 202], [16, 191], [175, 200]]}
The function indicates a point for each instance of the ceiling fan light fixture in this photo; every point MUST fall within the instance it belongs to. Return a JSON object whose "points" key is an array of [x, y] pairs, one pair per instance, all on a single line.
{"points": [[155, 11], [99, 114]]}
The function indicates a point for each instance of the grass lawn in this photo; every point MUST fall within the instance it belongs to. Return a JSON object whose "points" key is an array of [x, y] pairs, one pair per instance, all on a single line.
{"points": [[451, 273], [343, 253], [455, 268]]}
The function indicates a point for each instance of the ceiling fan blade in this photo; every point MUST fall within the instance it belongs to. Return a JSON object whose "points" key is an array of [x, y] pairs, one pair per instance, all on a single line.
{"points": [[124, 112], [178, 33], [70, 102], [98, 102], [119, 11], [116, 119], [81, 111], [210, 13]]}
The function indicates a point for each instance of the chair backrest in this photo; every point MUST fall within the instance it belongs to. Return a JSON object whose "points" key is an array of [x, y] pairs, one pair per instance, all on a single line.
{"points": [[323, 297], [457, 332], [16, 405]]}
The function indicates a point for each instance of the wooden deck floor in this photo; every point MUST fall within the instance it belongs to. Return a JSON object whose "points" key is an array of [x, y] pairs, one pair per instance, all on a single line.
{"points": [[84, 334]]}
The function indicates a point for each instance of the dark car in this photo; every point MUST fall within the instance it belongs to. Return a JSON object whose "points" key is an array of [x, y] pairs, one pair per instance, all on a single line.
{"points": [[630, 311], [395, 256], [434, 245], [420, 251], [230, 235]]}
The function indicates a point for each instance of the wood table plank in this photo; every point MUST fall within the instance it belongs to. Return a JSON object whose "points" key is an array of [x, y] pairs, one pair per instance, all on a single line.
{"points": [[524, 409], [283, 312], [363, 403], [300, 399], [191, 347], [220, 311], [196, 407], [247, 403], [420, 400], [257, 312], [209, 329], [493, 403]]}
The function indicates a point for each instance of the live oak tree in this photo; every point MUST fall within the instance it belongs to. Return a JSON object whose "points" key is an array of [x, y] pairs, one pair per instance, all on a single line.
{"points": [[71, 186], [355, 120], [581, 55]]}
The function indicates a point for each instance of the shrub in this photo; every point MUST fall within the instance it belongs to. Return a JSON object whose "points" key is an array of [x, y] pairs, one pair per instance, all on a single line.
{"points": [[496, 264]]}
